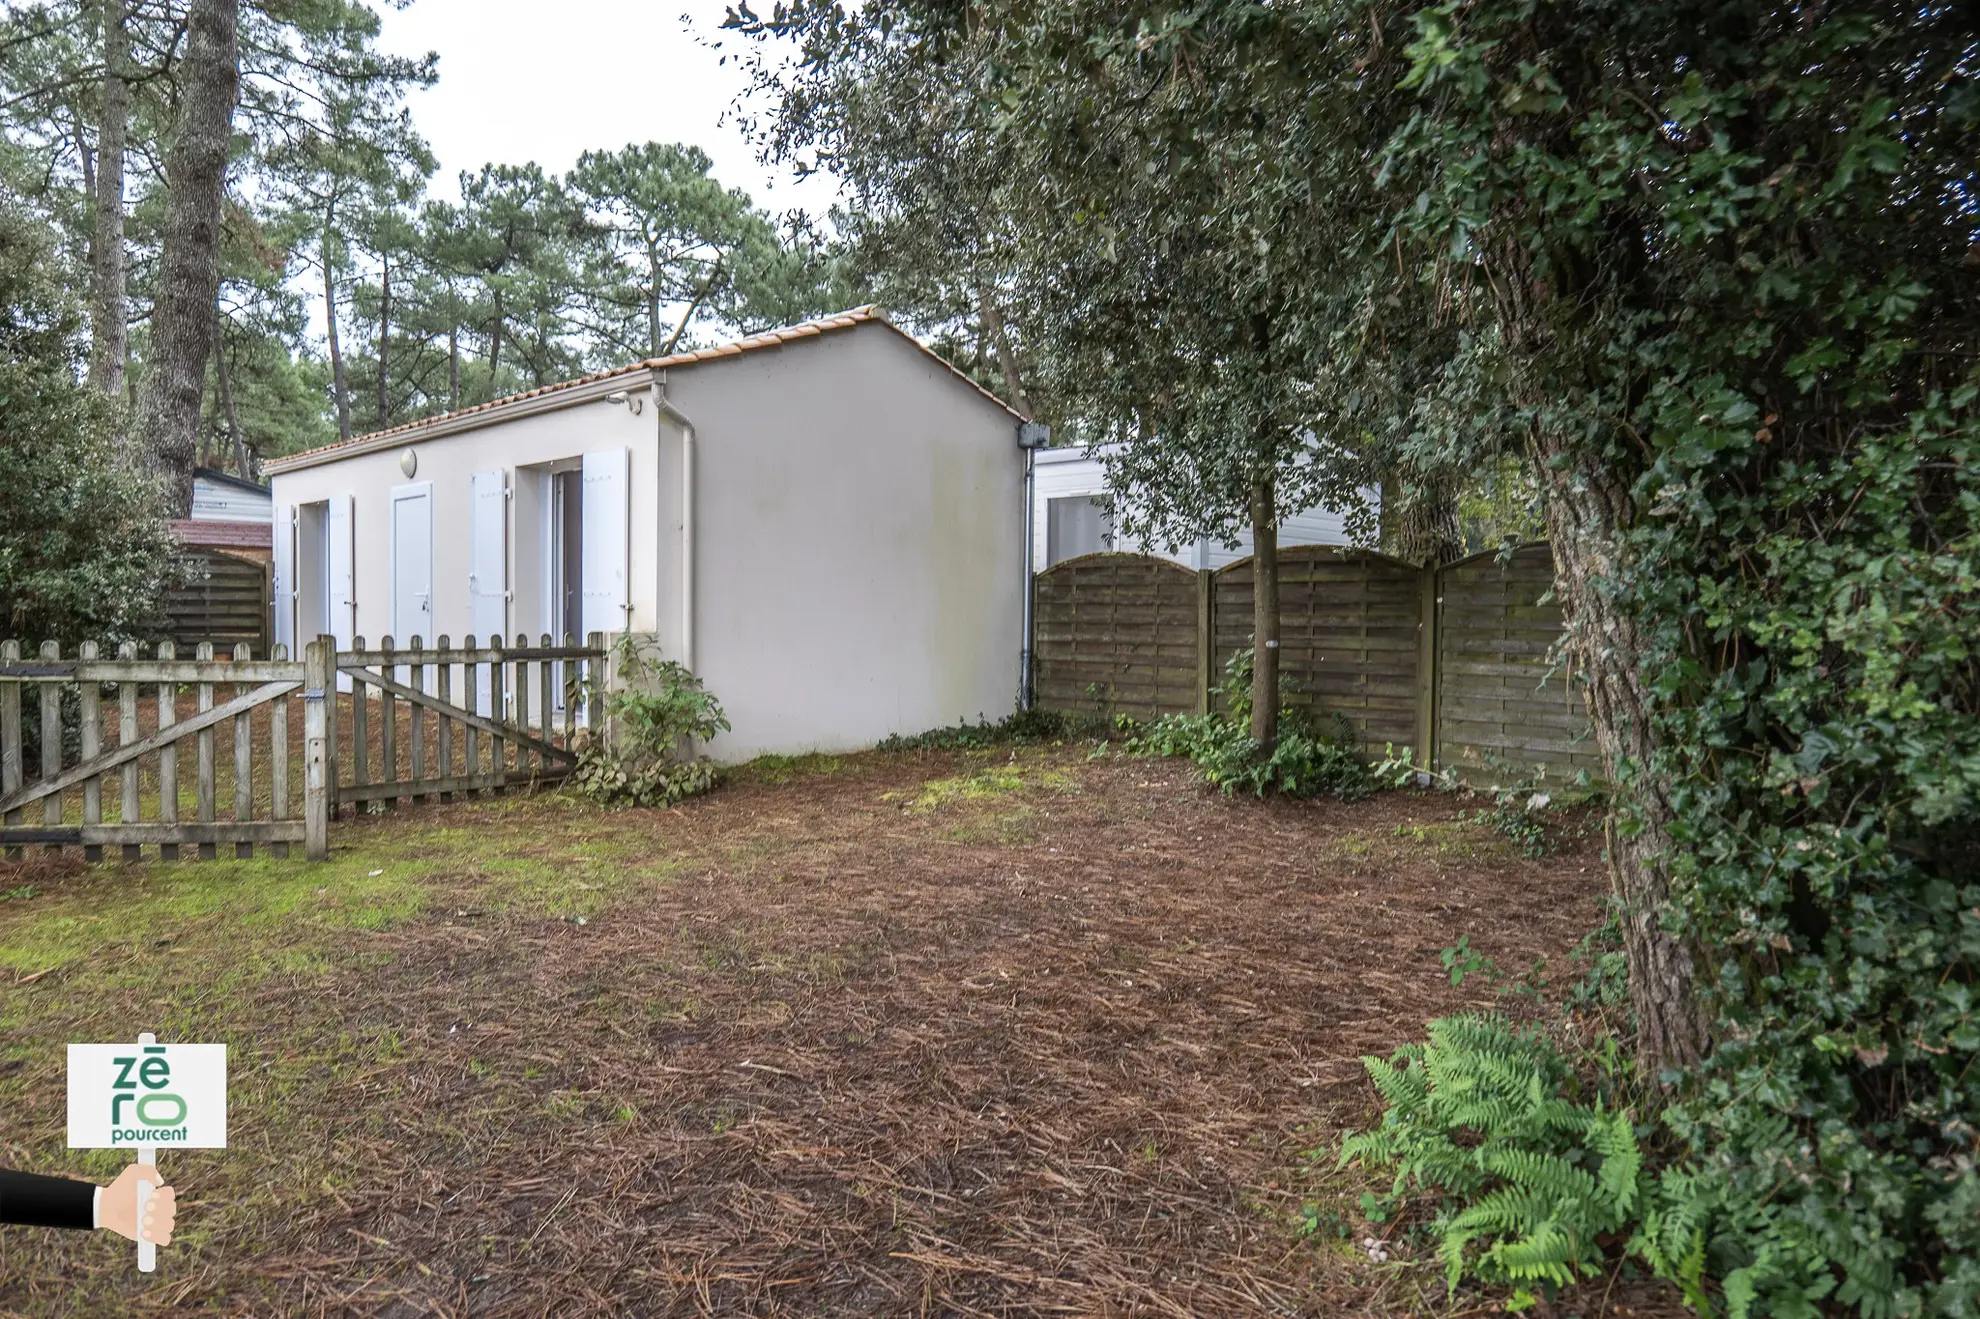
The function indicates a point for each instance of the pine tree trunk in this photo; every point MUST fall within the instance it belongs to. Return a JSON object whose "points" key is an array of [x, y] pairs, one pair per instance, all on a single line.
{"points": [[226, 387], [653, 274], [1586, 505], [1265, 616], [110, 310], [384, 338], [188, 278], [495, 346], [337, 386], [453, 367]]}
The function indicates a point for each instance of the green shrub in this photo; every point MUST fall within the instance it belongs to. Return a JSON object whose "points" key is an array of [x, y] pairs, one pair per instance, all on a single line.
{"points": [[1305, 763], [84, 554], [655, 716]]}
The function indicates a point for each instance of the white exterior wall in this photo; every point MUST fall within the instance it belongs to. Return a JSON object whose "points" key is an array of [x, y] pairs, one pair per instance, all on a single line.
{"points": [[858, 533], [859, 541], [449, 461], [1064, 473]]}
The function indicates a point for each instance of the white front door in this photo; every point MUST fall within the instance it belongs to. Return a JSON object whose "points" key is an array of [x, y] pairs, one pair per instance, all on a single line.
{"points": [[412, 564]]}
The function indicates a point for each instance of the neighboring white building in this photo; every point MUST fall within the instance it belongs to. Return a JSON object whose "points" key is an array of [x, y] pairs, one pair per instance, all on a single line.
{"points": [[229, 514], [1072, 514], [825, 523], [223, 497]]}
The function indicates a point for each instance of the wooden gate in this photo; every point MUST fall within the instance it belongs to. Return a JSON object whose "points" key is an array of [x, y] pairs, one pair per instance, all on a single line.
{"points": [[477, 718], [148, 706], [103, 766]]}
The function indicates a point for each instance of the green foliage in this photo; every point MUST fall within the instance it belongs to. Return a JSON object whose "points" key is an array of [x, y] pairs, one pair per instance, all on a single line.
{"points": [[654, 717], [83, 553], [1462, 960], [1304, 763], [1023, 728], [1487, 1119]]}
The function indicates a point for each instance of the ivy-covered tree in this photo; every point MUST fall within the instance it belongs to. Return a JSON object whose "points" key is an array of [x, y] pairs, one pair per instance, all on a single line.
{"points": [[1730, 250]]}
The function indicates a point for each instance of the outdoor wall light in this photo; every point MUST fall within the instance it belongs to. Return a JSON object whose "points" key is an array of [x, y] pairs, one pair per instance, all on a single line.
{"points": [[620, 396], [408, 463]]}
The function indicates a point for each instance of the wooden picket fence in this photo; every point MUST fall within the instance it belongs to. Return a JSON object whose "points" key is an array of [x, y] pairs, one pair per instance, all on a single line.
{"points": [[111, 735], [484, 736]]}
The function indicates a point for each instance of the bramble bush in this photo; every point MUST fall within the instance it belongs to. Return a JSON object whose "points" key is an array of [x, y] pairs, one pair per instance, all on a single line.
{"points": [[656, 715]]}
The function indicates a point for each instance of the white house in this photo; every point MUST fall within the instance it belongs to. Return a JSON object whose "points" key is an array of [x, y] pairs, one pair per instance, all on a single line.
{"points": [[824, 522], [1073, 514]]}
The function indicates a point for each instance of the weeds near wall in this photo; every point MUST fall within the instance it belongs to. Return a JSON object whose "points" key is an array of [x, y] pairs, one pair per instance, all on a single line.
{"points": [[1032, 727]]}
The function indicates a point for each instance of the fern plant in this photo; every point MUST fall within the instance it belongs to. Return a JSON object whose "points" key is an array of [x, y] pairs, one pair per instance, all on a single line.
{"points": [[1530, 1181]]}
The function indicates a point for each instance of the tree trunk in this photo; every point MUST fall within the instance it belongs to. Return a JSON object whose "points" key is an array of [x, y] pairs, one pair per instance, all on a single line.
{"points": [[384, 338], [1000, 339], [453, 367], [1265, 616], [653, 340], [189, 260], [495, 345], [226, 387], [109, 297], [1586, 504], [337, 387], [1425, 528], [700, 295]]}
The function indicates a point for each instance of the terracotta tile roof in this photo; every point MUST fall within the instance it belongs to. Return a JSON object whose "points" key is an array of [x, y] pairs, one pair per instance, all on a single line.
{"points": [[767, 339], [221, 535]]}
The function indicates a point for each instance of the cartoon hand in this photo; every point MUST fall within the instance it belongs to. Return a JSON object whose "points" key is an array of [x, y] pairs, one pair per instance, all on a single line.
{"points": [[119, 1209]]}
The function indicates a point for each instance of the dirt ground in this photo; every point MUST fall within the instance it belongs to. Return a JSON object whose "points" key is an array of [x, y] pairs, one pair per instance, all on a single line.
{"points": [[945, 1033]]}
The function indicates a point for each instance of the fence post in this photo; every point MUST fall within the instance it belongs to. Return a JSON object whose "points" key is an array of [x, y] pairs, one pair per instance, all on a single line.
{"points": [[319, 677], [1428, 610], [1206, 637]]}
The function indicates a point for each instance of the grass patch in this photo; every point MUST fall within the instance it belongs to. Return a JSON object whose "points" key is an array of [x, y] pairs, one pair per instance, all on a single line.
{"points": [[987, 785], [785, 769]]}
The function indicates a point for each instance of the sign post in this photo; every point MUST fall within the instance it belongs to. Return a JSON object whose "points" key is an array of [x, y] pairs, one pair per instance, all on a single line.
{"points": [[141, 1096]]}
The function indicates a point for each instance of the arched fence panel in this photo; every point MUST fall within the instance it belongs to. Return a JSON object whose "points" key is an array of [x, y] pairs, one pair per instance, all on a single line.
{"points": [[1118, 633], [1455, 664], [1348, 636], [1502, 698]]}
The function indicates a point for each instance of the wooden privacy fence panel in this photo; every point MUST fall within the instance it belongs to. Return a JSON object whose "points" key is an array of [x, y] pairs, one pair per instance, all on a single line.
{"points": [[1118, 632], [431, 722], [225, 604], [1500, 696], [1348, 636], [143, 735], [1455, 663]]}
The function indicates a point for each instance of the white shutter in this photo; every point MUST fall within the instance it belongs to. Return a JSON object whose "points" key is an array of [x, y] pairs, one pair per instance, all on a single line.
{"points": [[338, 529], [488, 555], [283, 586], [607, 546]]}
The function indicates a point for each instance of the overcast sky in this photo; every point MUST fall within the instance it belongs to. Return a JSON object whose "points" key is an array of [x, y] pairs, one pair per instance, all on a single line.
{"points": [[547, 80]]}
